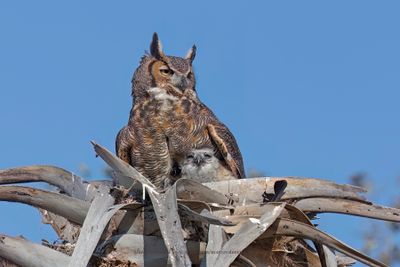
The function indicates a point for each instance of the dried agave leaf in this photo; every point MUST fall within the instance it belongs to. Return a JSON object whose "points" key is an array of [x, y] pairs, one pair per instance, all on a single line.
{"points": [[68, 182], [308, 195], [327, 258], [331, 205], [344, 261], [350, 207], [71, 208], [205, 216], [143, 220], [216, 240], [145, 250], [126, 173], [241, 214], [166, 209], [27, 254], [288, 227], [195, 205], [330, 257], [92, 228], [311, 233], [165, 206], [140, 221], [245, 235], [263, 254], [247, 191], [187, 189]]}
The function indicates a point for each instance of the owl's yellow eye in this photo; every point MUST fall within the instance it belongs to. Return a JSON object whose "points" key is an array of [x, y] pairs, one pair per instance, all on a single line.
{"points": [[165, 71]]}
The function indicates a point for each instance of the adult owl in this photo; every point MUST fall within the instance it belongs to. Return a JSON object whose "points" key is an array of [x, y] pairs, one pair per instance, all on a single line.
{"points": [[169, 126]]}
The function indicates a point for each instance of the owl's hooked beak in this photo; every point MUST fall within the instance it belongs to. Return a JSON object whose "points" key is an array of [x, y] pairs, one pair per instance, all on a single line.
{"points": [[198, 159], [179, 81]]}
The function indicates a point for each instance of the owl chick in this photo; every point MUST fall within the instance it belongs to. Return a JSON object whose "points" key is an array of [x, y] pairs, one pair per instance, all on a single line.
{"points": [[203, 166], [168, 121]]}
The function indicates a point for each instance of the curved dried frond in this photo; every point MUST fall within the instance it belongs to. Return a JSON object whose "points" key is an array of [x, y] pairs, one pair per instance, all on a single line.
{"points": [[287, 227], [245, 235], [187, 189], [144, 250], [126, 175], [71, 208], [27, 254], [350, 207], [247, 191], [67, 181], [92, 229]]}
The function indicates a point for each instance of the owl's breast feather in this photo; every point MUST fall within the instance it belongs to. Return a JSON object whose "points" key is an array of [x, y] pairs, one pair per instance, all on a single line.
{"points": [[179, 118], [165, 100]]}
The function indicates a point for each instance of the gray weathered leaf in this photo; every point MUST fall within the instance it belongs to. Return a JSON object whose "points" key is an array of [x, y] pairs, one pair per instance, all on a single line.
{"points": [[246, 234], [149, 251], [166, 208], [287, 227], [68, 182], [192, 190], [344, 261], [127, 174], [92, 229], [69, 207], [205, 216], [27, 254], [350, 207], [330, 257], [251, 190], [216, 240]]}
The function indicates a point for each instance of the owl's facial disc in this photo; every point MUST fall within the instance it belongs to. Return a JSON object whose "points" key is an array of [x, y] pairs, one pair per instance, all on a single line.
{"points": [[172, 77], [179, 81], [199, 157]]}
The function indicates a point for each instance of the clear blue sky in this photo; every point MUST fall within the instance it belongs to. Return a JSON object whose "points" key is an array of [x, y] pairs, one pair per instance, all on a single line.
{"points": [[309, 88]]}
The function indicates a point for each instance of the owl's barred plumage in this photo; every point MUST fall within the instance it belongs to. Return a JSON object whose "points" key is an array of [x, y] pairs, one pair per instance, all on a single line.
{"points": [[168, 121]]}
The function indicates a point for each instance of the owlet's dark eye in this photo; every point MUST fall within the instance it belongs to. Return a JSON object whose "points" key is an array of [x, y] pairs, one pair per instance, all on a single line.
{"points": [[166, 72], [190, 75]]}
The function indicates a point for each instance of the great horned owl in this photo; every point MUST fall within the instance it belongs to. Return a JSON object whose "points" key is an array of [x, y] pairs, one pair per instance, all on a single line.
{"points": [[168, 123]]}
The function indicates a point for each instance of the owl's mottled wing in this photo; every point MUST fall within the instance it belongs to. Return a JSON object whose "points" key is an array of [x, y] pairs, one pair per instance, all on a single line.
{"points": [[227, 146], [123, 145]]}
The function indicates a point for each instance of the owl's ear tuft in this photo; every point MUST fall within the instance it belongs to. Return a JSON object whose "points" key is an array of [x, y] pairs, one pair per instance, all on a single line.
{"points": [[156, 47], [191, 54]]}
